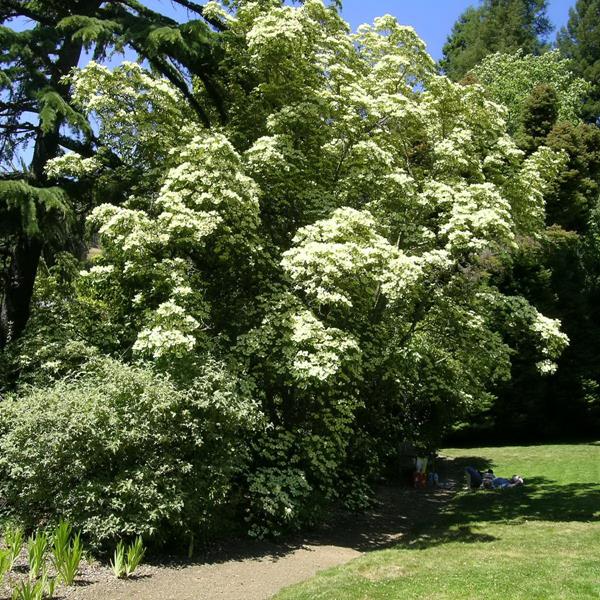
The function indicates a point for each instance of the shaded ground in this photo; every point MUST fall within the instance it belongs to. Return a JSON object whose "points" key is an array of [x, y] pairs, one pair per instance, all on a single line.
{"points": [[256, 570]]}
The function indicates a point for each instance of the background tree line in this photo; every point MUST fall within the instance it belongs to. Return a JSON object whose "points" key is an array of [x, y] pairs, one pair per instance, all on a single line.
{"points": [[559, 275]]}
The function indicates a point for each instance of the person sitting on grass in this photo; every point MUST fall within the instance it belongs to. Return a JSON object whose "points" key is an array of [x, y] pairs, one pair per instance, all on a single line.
{"points": [[474, 478]]}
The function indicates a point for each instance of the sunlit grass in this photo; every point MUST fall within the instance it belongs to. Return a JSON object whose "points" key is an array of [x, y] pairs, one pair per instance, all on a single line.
{"points": [[541, 541]]}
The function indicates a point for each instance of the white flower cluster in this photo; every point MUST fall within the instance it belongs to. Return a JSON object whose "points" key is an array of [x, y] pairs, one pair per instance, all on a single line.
{"points": [[552, 340], [72, 164], [98, 271], [529, 185], [335, 256], [479, 216], [140, 115], [406, 274], [321, 350], [172, 333], [267, 152], [206, 187], [159, 341], [130, 231], [215, 10]]}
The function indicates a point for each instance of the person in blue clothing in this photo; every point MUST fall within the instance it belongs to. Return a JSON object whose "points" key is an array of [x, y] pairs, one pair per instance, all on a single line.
{"points": [[500, 483], [487, 480]]}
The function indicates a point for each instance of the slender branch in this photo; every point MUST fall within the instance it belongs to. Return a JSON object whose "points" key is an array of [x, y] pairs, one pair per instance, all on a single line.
{"points": [[87, 150], [23, 10], [142, 10], [15, 127], [76, 146]]}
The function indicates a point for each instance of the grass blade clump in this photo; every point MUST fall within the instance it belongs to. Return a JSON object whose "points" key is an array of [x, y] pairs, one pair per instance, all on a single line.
{"points": [[13, 538], [29, 590], [135, 554], [118, 562], [67, 551], [5, 563], [50, 586], [126, 561], [37, 547], [60, 540]]}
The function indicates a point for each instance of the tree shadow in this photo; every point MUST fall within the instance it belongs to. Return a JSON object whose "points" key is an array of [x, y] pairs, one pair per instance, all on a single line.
{"points": [[392, 517], [397, 513], [417, 519], [541, 499]]}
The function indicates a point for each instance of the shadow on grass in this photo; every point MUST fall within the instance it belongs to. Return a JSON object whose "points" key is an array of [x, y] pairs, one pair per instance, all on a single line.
{"points": [[540, 499]]}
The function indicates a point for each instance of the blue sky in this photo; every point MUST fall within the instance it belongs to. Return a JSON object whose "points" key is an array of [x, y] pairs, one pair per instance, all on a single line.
{"points": [[432, 19]]}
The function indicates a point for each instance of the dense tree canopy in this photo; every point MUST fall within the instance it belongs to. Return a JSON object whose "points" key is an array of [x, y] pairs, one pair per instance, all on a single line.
{"points": [[495, 26], [580, 41], [299, 237], [334, 250], [557, 271], [510, 79]]}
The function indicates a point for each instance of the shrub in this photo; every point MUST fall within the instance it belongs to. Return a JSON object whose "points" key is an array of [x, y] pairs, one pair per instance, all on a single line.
{"points": [[119, 451]]}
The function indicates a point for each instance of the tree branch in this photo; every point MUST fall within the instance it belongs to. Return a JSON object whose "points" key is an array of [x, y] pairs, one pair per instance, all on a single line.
{"points": [[23, 10], [199, 9], [165, 69]]}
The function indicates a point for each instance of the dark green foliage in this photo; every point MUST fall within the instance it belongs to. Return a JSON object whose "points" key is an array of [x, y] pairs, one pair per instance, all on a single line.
{"points": [[495, 26], [54, 109], [463, 50], [49, 347], [553, 275], [578, 189], [90, 31], [540, 114], [580, 41], [32, 210], [559, 275]]}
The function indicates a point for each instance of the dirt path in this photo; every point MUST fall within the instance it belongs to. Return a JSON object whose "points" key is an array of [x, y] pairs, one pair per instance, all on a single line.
{"points": [[257, 570]]}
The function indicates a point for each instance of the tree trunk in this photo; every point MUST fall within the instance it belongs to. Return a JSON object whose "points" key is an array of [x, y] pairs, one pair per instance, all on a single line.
{"points": [[16, 301]]}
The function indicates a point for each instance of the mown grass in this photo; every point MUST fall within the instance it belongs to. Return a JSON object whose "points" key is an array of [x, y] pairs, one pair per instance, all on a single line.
{"points": [[538, 542]]}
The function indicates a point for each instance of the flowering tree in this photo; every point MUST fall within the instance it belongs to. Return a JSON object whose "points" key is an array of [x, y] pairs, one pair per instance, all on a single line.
{"points": [[334, 239], [510, 79]]}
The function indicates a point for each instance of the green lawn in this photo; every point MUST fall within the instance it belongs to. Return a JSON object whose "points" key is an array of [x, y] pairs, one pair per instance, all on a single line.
{"points": [[537, 542]]}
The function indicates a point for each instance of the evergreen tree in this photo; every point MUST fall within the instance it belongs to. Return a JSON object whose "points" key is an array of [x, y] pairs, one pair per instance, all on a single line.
{"points": [[580, 41], [540, 115], [495, 26], [37, 114]]}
